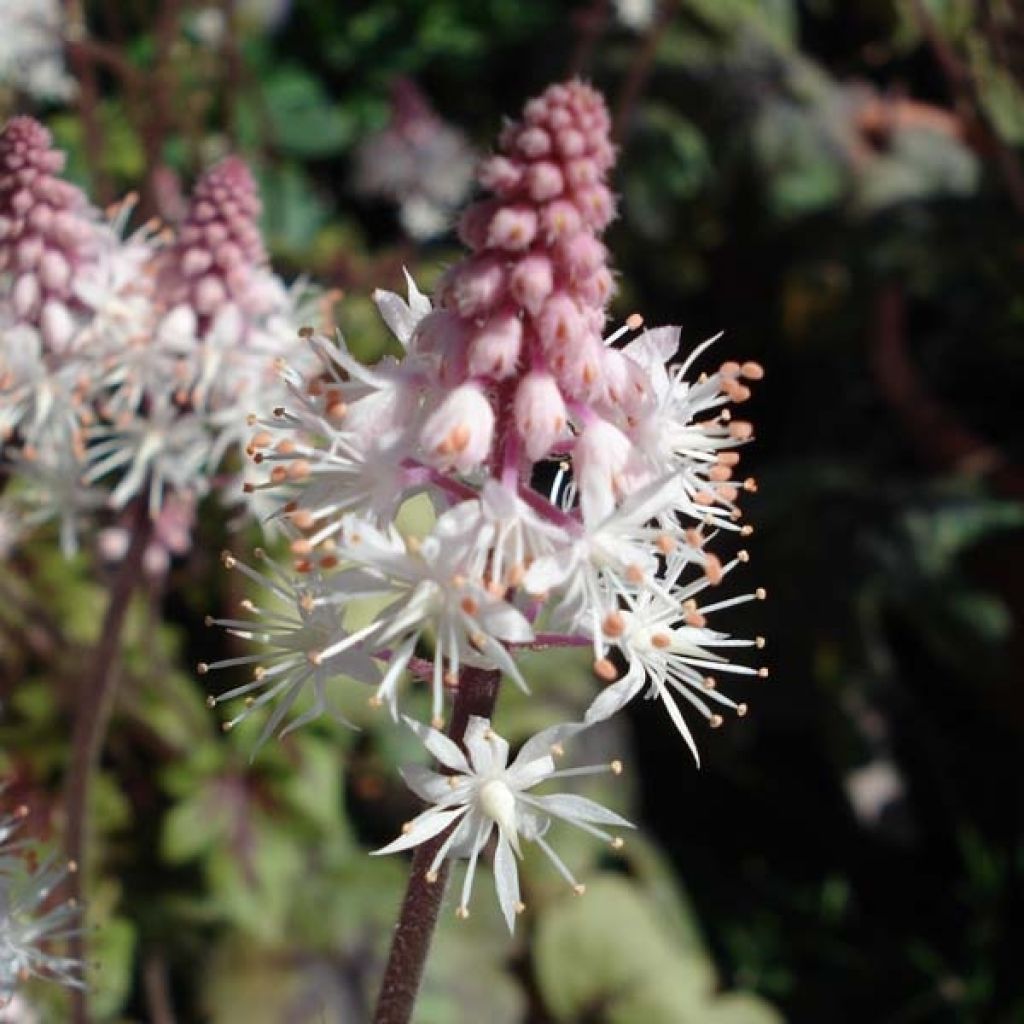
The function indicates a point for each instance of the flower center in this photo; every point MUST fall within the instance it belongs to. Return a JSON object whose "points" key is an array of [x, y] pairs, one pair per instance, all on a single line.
{"points": [[498, 803]]}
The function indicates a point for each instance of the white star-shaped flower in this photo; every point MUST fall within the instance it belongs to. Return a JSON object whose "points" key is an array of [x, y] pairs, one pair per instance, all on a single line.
{"points": [[483, 793]]}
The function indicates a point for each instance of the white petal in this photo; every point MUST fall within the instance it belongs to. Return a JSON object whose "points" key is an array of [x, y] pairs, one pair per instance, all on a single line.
{"points": [[551, 570], [540, 744], [426, 826], [444, 749], [419, 304], [524, 774], [430, 786], [615, 697], [578, 808], [396, 314], [506, 881], [475, 740]]}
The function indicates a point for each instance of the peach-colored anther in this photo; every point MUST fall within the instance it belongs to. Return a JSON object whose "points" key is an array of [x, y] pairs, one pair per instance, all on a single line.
{"points": [[713, 569], [299, 469], [614, 625], [728, 493], [752, 370], [694, 537], [741, 430], [302, 518], [605, 670], [695, 619], [661, 641], [469, 606], [665, 543], [285, 447], [704, 498], [750, 485], [634, 574], [741, 710], [763, 673], [715, 721], [634, 321], [729, 369], [719, 473], [261, 440], [301, 546], [278, 475]]}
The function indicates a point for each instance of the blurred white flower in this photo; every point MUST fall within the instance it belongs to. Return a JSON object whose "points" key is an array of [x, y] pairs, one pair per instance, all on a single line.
{"points": [[32, 49], [30, 924]]}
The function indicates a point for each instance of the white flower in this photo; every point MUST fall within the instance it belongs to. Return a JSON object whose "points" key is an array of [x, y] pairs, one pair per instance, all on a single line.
{"points": [[299, 624], [483, 792], [685, 429], [429, 588], [27, 929], [32, 50], [663, 635]]}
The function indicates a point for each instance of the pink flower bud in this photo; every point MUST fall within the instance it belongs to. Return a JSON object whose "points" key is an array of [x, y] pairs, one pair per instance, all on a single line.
{"points": [[540, 414], [544, 181], [458, 434], [531, 282], [500, 174], [476, 288], [534, 143], [512, 228], [475, 221], [560, 325], [494, 350], [596, 206], [560, 219]]}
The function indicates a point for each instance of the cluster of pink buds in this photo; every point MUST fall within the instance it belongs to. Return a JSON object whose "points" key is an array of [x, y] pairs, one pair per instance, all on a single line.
{"points": [[128, 363], [510, 368]]}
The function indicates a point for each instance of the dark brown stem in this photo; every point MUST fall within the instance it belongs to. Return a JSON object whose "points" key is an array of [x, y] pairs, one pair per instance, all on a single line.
{"points": [[93, 710], [476, 695]]}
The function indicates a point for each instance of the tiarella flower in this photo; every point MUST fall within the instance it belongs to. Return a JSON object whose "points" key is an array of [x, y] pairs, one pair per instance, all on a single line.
{"points": [[419, 162], [429, 588], [172, 530], [664, 637], [30, 924], [508, 367], [297, 629], [32, 50], [481, 793]]}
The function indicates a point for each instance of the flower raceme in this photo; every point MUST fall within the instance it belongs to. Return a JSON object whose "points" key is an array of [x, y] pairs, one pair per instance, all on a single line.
{"points": [[507, 376], [648, 454], [128, 362]]}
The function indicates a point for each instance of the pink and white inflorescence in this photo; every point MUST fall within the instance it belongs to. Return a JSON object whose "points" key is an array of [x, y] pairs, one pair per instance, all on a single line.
{"points": [[128, 362], [509, 376]]}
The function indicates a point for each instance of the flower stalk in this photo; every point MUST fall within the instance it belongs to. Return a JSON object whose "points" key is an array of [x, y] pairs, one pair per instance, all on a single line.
{"points": [[92, 719], [476, 696]]}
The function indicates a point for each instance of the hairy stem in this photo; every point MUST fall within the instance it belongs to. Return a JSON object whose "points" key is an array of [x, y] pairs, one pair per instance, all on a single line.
{"points": [[92, 716], [476, 695]]}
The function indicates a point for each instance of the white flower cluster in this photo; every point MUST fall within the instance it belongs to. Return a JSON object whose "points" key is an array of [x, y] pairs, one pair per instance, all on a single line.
{"points": [[128, 361], [30, 923], [615, 557], [505, 380]]}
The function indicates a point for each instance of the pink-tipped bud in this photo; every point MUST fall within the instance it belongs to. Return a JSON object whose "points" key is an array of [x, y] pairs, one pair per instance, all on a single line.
{"points": [[494, 349], [531, 282], [540, 413], [458, 434], [477, 287], [501, 175], [513, 228], [560, 219], [560, 324], [544, 181]]}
